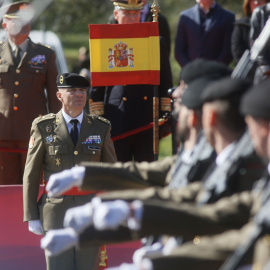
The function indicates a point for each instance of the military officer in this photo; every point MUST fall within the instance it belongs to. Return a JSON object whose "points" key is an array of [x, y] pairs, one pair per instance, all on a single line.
{"points": [[58, 142], [131, 106], [26, 69]]}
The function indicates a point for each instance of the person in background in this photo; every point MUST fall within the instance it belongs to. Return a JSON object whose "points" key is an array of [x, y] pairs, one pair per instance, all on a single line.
{"points": [[83, 61], [26, 70], [204, 31], [240, 37], [258, 20], [129, 107], [146, 16]]}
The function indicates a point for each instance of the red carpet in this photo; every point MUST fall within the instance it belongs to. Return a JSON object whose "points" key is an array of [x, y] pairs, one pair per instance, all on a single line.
{"points": [[19, 249]]}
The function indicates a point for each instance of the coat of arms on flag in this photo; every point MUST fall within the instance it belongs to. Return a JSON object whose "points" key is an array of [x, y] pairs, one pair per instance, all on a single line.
{"points": [[121, 56]]}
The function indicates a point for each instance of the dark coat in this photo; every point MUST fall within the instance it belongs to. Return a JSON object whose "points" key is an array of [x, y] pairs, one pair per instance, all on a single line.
{"points": [[213, 44], [240, 38]]}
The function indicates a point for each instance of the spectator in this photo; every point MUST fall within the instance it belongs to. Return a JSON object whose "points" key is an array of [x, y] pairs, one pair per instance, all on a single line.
{"points": [[83, 61], [257, 22], [204, 31], [240, 35]]}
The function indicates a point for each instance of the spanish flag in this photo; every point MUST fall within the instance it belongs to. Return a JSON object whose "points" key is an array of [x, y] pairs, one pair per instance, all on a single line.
{"points": [[122, 54]]}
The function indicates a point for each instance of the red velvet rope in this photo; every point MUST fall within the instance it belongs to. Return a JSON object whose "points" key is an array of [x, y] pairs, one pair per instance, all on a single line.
{"points": [[114, 138]]}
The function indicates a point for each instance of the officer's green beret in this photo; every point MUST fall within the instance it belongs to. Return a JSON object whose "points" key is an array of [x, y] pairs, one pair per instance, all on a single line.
{"points": [[256, 101], [71, 80]]}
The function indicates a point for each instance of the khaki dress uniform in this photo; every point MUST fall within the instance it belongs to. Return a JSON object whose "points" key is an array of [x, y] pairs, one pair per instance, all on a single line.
{"points": [[52, 149], [22, 99]]}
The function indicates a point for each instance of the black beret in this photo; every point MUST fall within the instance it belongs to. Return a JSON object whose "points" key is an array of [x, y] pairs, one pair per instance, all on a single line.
{"points": [[71, 80], [129, 4], [226, 89], [16, 9], [201, 67], [256, 101], [192, 95]]}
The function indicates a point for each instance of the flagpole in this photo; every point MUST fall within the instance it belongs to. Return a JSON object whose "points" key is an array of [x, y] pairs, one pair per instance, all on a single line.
{"points": [[155, 9]]}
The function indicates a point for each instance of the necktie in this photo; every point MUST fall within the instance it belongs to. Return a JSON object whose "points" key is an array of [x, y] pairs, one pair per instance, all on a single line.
{"points": [[74, 131], [17, 57]]}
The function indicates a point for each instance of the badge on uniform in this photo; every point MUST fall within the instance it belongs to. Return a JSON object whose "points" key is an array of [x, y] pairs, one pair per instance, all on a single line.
{"points": [[58, 161], [49, 139], [38, 61], [48, 128], [31, 142], [93, 139]]}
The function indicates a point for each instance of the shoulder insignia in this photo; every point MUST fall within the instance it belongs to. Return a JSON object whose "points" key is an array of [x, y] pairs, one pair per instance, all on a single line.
{"points": [[44, 45], [101, 118], [45, 117]]}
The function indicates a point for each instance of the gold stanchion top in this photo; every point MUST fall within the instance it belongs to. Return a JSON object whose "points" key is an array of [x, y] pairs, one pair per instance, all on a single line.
{"points": [[155, 9]]}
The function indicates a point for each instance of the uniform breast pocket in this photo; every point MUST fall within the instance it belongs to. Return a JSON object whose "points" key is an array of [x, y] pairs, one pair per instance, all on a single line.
{"points": [[55, 150], [38, 73], [93, 152], [57, 156]]}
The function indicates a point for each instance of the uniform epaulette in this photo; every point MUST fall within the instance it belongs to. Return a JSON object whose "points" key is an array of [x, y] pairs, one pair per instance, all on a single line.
{"points": [[2, 44], [101, 118], [45, 117], [43, 45]]}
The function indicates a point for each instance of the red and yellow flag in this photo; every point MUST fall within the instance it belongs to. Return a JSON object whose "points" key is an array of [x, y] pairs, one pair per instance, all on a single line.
{"points": [[122, 54]]}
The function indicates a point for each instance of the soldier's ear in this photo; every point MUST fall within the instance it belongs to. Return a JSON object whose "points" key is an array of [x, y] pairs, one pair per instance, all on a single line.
{"points": [[59, 96], [213, 118], [115, 13], [192, 118], [4, 25]]}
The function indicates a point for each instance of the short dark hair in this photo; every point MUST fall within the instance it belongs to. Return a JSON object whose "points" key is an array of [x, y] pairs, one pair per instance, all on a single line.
{"points": [[229, 115]]}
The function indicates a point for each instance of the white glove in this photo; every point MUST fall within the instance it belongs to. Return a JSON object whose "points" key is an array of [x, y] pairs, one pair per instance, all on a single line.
{"points": [[109, 215], [57, 241], [79, 217], [35, 227], [144, 251], [146, 264], [65, 180], [124, 266]]}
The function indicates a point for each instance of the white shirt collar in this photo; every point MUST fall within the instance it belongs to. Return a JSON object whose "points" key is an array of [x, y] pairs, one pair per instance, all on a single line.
{"points": [[225, 153], [68, 117], [23, 45], [268, 168]]}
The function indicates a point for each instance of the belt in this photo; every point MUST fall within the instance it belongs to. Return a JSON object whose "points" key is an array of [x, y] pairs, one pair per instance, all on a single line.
{"points": [[73, 192]]}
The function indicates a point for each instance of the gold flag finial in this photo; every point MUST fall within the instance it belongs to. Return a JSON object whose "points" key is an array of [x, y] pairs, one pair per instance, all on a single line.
{"points": [[155, 9], [103, 257]]}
